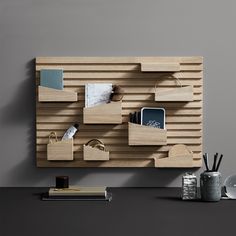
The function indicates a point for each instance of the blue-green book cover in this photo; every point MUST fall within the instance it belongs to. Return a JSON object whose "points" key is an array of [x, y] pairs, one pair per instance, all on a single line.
{"points": [[51, 78]]}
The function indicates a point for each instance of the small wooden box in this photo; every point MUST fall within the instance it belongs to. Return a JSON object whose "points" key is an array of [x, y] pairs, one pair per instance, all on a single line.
{"points": [[140, 135], [60, 150], [109, 113], [94, 154], [55, 95], [180, 94]]}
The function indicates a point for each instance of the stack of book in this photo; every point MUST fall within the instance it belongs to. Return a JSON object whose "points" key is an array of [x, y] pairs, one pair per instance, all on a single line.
{"points": [[78, 193]]}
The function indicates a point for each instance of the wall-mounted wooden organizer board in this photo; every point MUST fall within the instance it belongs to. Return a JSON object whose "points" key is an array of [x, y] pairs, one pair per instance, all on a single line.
{"points": [[138, 77]]}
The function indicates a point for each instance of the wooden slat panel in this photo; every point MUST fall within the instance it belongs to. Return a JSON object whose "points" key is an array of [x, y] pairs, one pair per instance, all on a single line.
{"points": [[183, 121]]}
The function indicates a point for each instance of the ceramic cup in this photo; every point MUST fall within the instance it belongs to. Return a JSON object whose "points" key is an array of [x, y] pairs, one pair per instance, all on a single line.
{"points": [[210, 185]]}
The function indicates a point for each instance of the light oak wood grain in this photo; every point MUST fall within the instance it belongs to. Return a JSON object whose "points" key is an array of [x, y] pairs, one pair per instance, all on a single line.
{"points": [[122, 148], [178, 162], [60, 150], [146, 135], [183, 118], [179, 156], [54, 95], [160, 67], [94, 154], [110, 113], [113, 67], [112, 60], [180, 94]]}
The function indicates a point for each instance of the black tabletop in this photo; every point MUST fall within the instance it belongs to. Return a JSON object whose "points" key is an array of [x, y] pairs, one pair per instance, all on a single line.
{"points": [[132, 211]]}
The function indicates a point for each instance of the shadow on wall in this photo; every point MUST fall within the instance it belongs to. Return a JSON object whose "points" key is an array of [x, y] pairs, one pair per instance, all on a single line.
{"points": [[22, 108], [21, 111]]}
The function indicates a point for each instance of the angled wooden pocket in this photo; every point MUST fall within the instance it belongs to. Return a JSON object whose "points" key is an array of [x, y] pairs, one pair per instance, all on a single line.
{"points": [[179, 94], [60, 150], [179, 157], [109, 113], [94, 150], [94, 154], [55, 95], [141, 135]]}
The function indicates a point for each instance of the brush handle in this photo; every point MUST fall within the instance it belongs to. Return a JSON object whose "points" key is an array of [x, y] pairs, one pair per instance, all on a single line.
{"points": [[218, 164], [214, 164], [205, 158]]}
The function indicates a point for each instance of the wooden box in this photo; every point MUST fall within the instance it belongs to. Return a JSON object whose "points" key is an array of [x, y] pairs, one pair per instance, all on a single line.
{"points": [[141, 135], [180, 94], [94, 154], [109, 113], [55, 95], [60, 150]]}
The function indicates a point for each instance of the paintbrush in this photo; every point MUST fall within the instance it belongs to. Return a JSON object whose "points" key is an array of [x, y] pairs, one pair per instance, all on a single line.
{"points": [[205, 157], [214, 163], [218, 164]]}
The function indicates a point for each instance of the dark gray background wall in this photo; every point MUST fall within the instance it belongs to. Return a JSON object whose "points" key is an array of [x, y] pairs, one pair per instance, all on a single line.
{"points": [[31, 28]]}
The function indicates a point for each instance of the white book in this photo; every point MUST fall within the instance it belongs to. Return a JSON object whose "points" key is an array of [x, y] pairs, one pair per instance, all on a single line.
{"points": [[97, 94]]}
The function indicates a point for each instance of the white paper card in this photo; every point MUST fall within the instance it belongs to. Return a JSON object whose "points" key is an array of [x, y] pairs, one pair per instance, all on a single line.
{"points": [[97, 94]]}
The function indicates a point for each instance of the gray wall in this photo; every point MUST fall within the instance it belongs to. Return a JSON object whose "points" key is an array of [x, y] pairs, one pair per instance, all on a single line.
{"points": [[31, 28]]}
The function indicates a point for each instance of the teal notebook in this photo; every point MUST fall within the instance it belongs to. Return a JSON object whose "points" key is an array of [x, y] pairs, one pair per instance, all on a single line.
{"points": [[51, 78]]}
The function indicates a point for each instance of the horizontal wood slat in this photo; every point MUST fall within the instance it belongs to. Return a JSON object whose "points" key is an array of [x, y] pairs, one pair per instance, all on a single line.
{"points": [[130, 75], [134, 90], [125, 148], [64, 126], [183, 119], [42, 162], [112, 60], [132, 105], [122, 133], [109, 140], [79, 118], [129, 156], [76, 111], [130, 67]]}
